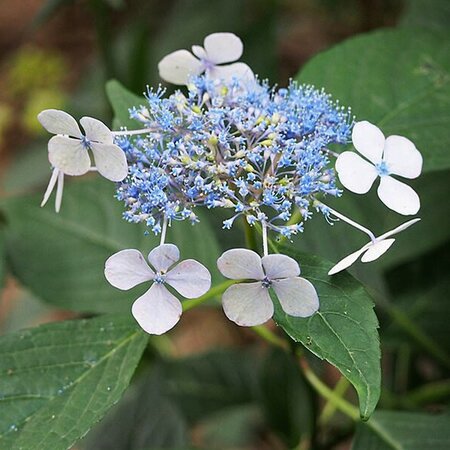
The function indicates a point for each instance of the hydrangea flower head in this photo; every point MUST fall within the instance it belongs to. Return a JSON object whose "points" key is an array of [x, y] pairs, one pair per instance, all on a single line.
{"points": [[68, 150], [395, 155], [257, 151], [249, 303], [218, 48], [158, 310]]}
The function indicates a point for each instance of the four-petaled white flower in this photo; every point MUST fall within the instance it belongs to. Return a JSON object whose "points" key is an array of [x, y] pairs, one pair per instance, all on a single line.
{"points": [[249, 304], [158, 310], [395, 155], [373, 250], [219, 48], [68, 150]]}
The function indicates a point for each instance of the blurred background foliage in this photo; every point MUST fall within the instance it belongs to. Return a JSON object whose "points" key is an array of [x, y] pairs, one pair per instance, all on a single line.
{"points": [[212, 385]]}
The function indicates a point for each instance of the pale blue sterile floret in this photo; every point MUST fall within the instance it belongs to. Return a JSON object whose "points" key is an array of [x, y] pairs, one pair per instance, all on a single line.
{"points": [[259, 151]]}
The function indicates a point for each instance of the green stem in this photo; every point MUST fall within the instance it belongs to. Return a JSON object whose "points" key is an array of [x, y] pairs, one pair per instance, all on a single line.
{"points": [[213, 292], [328, 394], [343, 405], [270, 337], [329, 409], [321, 388]]}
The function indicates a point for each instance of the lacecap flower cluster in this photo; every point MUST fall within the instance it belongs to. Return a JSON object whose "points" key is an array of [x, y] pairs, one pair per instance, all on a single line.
{"points": [[231, 141], [236, 144]]}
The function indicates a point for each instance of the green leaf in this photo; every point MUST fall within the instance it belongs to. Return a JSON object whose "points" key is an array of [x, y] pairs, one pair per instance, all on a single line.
{"points": [[122, 100], [389, 430], [288, 406], [398, 79], [203, 384], [144, 419], [343, 331], [59, 379], [77, 241]]}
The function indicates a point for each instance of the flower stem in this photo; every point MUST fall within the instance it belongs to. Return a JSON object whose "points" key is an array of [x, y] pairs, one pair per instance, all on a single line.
{"points": [[329, 409], [264, 239], [163, 231], [270, 337], [213, 292], [350, 222], [332, 397], [133, 132]]}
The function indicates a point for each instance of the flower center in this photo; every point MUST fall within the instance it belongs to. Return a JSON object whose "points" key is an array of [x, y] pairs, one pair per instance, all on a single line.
{"points": [[266, 283], [85, 142], [160, 279], [207, 65], [382, 169]]}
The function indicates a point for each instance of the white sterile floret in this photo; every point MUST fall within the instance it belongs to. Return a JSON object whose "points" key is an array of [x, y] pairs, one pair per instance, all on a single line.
{"points": [[68, 150], [395, 155], [249, 304], [158, 310], [218, 48], [373, 250]]}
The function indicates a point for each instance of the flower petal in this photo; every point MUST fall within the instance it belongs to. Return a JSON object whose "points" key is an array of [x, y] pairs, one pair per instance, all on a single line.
{"points": [[229, 72], [240, 264], [369, 140], [190, 278], [398, 196], [163, 257], [97, 131], [50, 187], [400, 228], [298, 297], [68, 155], [127, 268], [402, 157], [348, 260], [157, 311], [199, 51], [247, 304], [110, 161], [59, 191], [280, 266], [376, 250], [223, 47], [355, 173], [178, 66], [59, 122]]}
